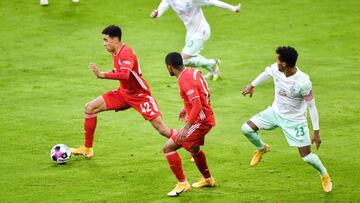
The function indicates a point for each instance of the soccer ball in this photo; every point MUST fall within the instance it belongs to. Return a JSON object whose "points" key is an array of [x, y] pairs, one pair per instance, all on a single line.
{"points": [[60, 153]]}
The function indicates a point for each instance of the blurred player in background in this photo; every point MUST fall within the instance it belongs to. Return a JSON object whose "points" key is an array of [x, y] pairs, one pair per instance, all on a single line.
{"points": [[199, 119], [198, 30], [133, 92], [46, 2], [293, 95]]}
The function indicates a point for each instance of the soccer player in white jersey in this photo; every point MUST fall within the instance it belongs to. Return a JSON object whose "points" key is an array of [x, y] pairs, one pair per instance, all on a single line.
{"points": [[198, 30], [46, 2], [293, 95]]}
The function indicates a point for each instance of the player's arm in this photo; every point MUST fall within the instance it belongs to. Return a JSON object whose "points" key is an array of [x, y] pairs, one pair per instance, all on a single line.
{"points": [[314, 116], [182, 115], [192, 117], [224, 5], [123, 75], [193, 96], [262, 77], [112, 75], [163, 6]]}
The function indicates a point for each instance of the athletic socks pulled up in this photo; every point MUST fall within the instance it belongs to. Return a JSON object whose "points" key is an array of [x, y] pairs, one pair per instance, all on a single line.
{"points": [[175, 164], [200, 161], [89, 129]]}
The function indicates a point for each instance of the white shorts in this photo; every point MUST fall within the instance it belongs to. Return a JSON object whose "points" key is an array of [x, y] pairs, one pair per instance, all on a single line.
{"points": [[296, 133], [194, 43]]}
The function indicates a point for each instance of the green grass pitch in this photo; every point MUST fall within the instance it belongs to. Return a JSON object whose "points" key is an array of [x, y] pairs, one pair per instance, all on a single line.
{"points": [[44, 83]]}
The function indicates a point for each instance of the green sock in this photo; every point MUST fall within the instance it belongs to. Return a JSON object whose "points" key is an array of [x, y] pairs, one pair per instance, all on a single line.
{"points": [[200, 61], [252, 136], [314, 160]]}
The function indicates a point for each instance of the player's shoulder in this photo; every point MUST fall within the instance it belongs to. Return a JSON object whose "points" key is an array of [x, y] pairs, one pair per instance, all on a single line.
{"points": [[302, 76], [303, 80], [126, 50], [192, 74], [186, 78], [272, 69]]}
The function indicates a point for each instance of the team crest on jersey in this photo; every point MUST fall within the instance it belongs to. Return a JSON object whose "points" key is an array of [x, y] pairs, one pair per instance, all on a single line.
{"points": [[292, 89], [190, 92]]}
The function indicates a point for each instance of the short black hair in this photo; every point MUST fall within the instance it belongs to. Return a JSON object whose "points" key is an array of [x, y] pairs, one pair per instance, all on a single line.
{"points": [[175, 60], [288, 55], [112, 31]]}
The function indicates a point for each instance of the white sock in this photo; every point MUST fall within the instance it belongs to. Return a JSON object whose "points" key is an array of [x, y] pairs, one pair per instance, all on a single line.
{"points": [[200, 61], [314, 160]]}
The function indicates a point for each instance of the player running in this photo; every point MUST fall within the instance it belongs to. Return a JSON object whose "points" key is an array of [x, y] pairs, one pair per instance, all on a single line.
{"points": [[293, 95], [198, 30], [133, 92], [199, 120]]}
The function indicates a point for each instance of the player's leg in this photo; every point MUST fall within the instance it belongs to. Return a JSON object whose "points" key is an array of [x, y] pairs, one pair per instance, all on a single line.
{"points": [[159, 124], [175, 164], [249, 129], [297, 135], [192, 143], [264, 120], [314, 161], [200, 161], [90, 120], [112, 100], [147, 106], [191, 55]]}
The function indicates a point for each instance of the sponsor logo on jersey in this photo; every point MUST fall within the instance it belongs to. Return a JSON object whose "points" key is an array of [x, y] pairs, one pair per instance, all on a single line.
{"points": [[127, 62]]}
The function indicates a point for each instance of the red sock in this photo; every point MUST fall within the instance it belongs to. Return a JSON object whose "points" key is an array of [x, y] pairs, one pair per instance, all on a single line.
{"points": [[200, 161], [174, 161], [89, 129]]}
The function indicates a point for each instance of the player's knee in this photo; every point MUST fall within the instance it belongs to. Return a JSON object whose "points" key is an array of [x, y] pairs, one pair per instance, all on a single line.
{"points": [[89, 108], [246, 129], [166, 149]]}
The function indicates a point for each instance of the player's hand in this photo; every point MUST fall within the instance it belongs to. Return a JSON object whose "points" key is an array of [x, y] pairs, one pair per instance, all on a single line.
{"points": [[181, 136], [316, 139], [237, 8], [96, 70], [182, 115], [154, 13], [249, 89]]}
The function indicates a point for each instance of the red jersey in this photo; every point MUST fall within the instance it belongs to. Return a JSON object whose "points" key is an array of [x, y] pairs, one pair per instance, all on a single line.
{"points": [[127, 70], [193, 86]]}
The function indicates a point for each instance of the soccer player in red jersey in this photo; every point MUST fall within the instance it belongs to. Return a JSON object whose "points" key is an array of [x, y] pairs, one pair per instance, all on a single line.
{"points": [[199, 119], [133, 92]]}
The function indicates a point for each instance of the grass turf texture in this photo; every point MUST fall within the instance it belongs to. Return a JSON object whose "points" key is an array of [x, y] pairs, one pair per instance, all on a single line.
{"points": [[45, 83]]}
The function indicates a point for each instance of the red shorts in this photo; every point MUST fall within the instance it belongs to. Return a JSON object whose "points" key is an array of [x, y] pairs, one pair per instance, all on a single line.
{"points": [[196, 136], [144, 103]]}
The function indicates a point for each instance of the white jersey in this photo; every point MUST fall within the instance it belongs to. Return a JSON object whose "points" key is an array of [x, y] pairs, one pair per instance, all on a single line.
{"points": [[289, 100], [190, 12]]}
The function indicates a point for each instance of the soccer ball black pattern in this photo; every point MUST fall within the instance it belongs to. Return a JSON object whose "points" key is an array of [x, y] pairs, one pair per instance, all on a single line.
{"points": [[60, 153]]}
